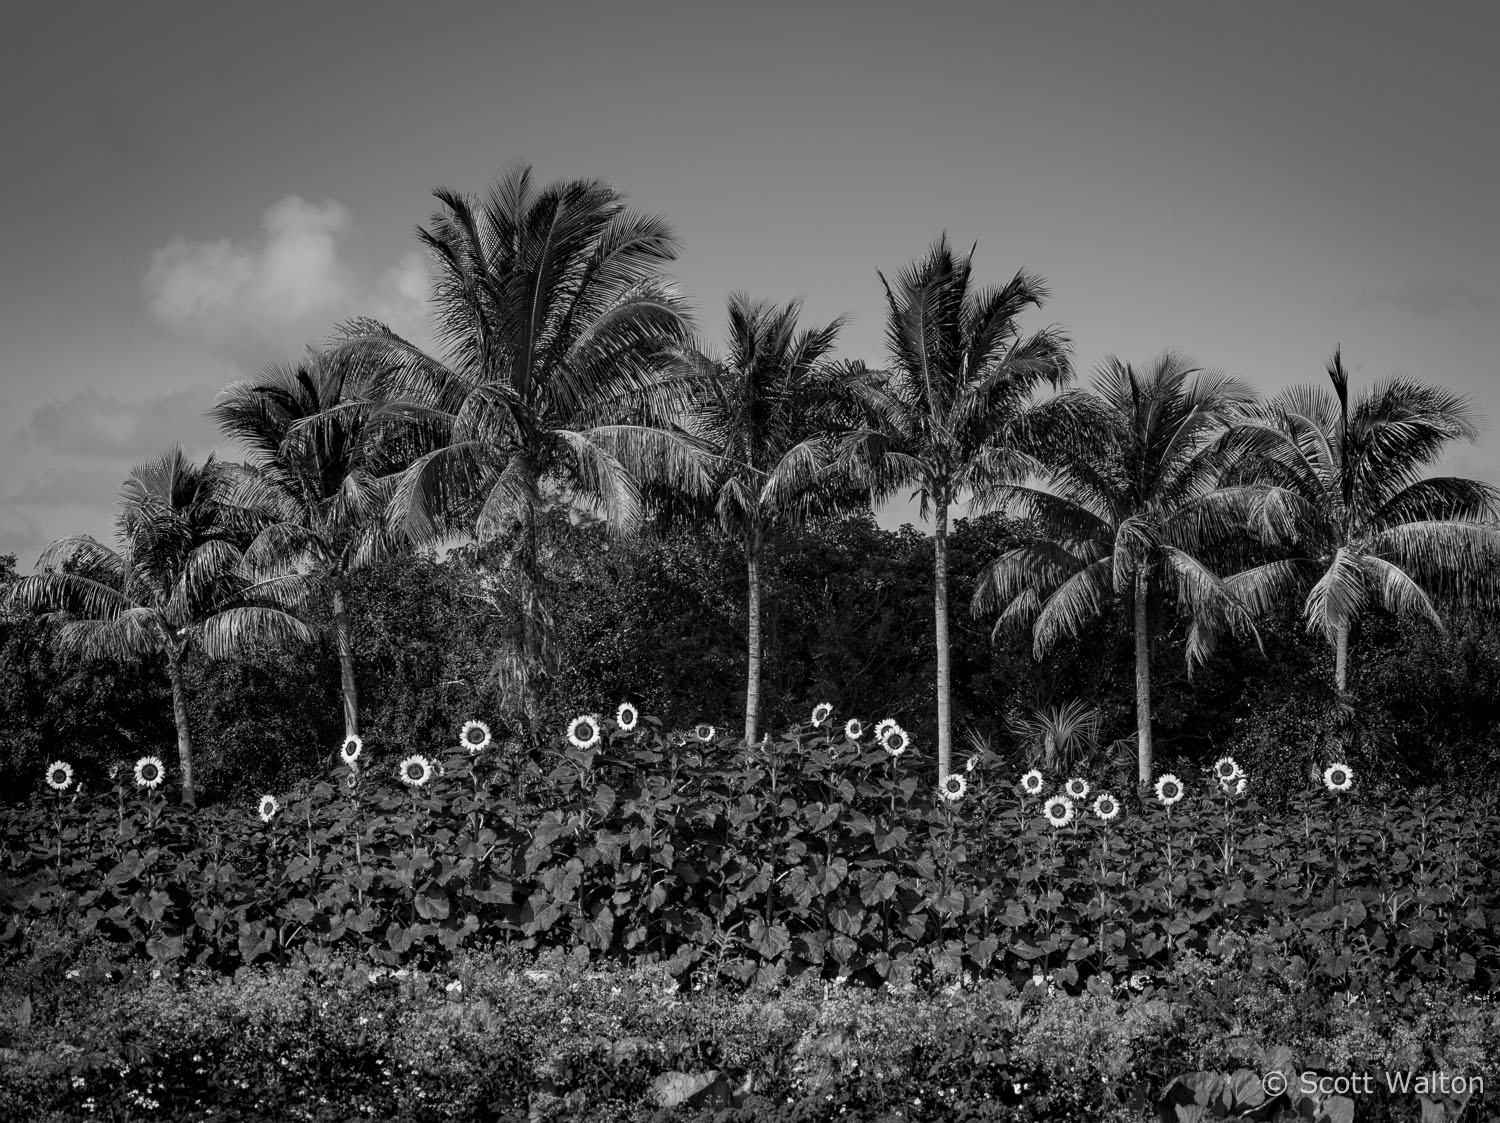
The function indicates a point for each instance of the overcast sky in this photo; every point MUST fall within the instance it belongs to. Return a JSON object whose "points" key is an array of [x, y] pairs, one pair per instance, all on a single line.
{"points": [[193, 191]]}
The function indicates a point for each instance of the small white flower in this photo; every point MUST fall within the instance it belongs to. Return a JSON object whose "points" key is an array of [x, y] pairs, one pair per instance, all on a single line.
{"points": [[821, 713], [854, 729], [1105, 807], [896, 740], [415, 770], [1032, 782], [583, 731], [626, 716], [1077, 788], [1338, 777], [149, 772], [268, 808], [59, 775], [1059, 810], [1168, 789], [973, 763], [475, 736], [704, 732], [954, 786], [353, 746]]}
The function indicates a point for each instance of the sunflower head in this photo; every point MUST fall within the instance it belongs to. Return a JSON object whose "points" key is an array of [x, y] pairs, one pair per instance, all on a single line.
{"points": [[268, 808], [1106, 808], [59, 775], [854, 729], [415, 770], [626, 716], [475, 736], [1225, 769], [1338, 777], [583, 731], [1077, 788], [821, 713], [954, 786], [150, 772], [1059, 810], [895, 740], [353, 746], [1032, 783], [972, 764], [1168, 789], [704, 732]]}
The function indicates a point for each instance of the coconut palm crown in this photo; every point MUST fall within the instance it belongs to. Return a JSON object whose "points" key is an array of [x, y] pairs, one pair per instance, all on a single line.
{"points": [[552, 315], [1128, 508], [177, 581], [945, 418], [1339, 484]]}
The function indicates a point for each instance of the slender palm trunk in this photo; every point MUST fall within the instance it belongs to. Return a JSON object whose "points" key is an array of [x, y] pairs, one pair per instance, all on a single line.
{"points": [[752, 680], [940, 619], [184, 737], [344, 634], [1142, 679], [1341, 659], [1049, 750], [531, 624]]}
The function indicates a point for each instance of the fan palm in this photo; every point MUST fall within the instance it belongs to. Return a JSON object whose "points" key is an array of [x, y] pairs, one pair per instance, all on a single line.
{"points": [[945, 417], [318, 479], [1340, 485], [177, 582], [1130, 507], [552, 314], [765, 411]]}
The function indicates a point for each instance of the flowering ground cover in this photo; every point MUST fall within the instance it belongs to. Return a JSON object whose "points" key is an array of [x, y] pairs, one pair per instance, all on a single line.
{"points": [[824, 857]]}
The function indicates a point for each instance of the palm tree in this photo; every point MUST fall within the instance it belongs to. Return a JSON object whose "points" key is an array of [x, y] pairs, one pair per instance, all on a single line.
{"points": [[553, 316], [1130, 509], [1340, 485], [176, 582], [318, 477], [766, 412], [945, 417]]}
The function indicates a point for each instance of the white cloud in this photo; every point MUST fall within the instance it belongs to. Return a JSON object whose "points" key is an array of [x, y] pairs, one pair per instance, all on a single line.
{"points": [[263, 300]]}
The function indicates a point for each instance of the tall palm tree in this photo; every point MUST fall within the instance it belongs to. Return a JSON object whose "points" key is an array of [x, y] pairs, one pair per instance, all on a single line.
{"points": [[1341, 485], [1130, 508], [553, 314], [945, 417], [319, 478], [766, 412], [176, 582]]}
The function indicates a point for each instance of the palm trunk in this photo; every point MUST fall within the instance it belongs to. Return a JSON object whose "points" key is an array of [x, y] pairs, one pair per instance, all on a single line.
{"points": [[1142, 679], [1341, 659], [184, 737], [940, 619], [752, 680], [531, 624], [1049, 750], [345, 636]]}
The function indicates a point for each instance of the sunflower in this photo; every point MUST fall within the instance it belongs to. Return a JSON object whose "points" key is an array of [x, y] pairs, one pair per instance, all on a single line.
{"points": [[1338, 777], [268, 808], [415, 770], [953, 787], [1235, 785], [884, 724], [1077, 788], [475, 736], [149, 772], [626, 716], [853, 729], [1105, 807], [59, 775], [896, 740], [821, 713], [704, 732], [1226, 769], [973, 763], [353, 746], [1168, 789], [1031, 783], [1059, 810], [583, 731]]}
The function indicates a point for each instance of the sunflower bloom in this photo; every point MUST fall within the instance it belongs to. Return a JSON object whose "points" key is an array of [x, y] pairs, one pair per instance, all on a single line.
{"points": [[268, 808], [583, 731], [1234, 785], [884, 725], [895, 740], [1059, 810], [1338, 777], [353, 746], [59, 775], [853, 729], [821, 713], [1032, 782], [1106, 808], [1226, 769], [475, 736], [626, 716], [953, 787], [1077, 788], [1168, 790], [415, 770], [150, 772], [704, 732]]}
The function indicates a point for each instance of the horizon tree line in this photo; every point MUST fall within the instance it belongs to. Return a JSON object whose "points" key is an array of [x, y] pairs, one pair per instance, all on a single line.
{"points": [[570, 371]]}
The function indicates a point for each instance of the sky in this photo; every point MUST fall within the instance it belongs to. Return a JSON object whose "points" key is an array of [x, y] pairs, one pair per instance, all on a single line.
{"points": [[192, 192]]}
